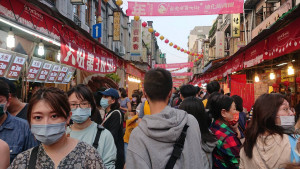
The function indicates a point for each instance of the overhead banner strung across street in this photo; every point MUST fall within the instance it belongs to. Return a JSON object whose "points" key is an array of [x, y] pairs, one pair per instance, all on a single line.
{"points": [[83, 59], [174, 65], [183, 74], [184, 8]]}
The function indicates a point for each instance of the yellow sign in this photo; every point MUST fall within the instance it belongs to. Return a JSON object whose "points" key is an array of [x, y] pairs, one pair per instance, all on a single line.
{"points": [[235, 25], [117, 26]]}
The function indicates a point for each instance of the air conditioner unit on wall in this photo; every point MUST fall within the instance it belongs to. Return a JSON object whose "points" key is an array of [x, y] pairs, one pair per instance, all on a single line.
{"points": [[116, 47], [122, 50]]}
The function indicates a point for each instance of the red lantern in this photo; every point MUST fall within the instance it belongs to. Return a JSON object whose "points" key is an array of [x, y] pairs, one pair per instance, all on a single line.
{"points": [[286, 83], [166, 41], [175, 46], [182, 50], [144, 24], [298, 80], [275, 85], [156, 34], [188, 52]]}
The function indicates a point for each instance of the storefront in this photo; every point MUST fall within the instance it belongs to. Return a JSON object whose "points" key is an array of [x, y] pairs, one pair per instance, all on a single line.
{"points": [[134, 79]]}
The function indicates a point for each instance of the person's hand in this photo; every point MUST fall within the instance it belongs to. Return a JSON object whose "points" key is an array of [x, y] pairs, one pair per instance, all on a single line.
{"points": [[236, 129]]}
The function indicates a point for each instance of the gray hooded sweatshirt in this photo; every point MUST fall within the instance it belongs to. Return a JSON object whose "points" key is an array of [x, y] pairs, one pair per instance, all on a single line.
{"points": [[151, 143]]}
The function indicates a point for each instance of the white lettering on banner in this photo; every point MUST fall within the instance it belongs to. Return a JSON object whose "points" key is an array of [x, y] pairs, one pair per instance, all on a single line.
{"points": [[19, 60], [110, 65], [98, 65], [5, 57], [69, 53], [80, 57], [90, 62], [103, 64]]}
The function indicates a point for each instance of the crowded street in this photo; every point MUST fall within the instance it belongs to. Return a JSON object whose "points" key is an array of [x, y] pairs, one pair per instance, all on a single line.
{"points": [[150, 84]]}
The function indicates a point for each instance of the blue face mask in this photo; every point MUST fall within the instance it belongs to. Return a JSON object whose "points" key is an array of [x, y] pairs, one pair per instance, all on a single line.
{"points": [[80, 115], [49, 133], [104, 103]]}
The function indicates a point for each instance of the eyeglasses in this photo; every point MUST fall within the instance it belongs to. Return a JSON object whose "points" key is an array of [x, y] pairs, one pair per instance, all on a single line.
{"points": [[81, 105]]}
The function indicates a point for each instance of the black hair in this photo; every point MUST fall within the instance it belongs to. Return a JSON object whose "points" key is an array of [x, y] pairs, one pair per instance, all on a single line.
{"points": [[98, 96], [11, 85], [4, 89], [213, 86], [238, 102], [188, 90], [123, 92], [195, 107], [82, 92], [158, 84], [197, 89], [115, 105], [219, 102], [222, 91]]}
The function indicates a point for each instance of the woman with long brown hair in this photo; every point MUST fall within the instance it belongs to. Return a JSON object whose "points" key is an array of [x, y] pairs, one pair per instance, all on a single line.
{"points": [[266, 145]]}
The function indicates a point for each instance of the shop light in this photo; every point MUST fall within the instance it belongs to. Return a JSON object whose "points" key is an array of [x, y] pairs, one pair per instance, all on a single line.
{"points": [[41, 50], [291, 70], [134, 80], [58, 56], [233, 73], [256, 78], [10, 40], [272, 75], [281, 64]]}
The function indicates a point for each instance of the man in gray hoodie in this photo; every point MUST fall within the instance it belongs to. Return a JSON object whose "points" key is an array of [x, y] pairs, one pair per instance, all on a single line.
{"points": [[152, 142]]}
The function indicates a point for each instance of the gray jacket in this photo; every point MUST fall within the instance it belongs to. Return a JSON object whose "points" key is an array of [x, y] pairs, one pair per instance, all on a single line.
{"points": [[151, 143]]}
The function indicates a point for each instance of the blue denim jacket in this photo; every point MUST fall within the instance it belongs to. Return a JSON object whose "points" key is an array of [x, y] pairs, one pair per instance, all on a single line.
{"points": [[16, 133]]}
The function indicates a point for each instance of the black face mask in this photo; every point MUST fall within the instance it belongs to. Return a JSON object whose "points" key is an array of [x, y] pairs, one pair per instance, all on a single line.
{"points": [[289, 129]]}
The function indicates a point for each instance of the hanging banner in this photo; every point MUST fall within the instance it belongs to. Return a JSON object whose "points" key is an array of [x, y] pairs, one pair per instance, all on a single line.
{"points": [[5, 59], [34, 68], [220, 44], [117, 26], [136, 40], [134, 71], [16, 67], [174, 65], [184, 8], [62, 74], [183, 74], [235, 25], [83, 59], [45, 71], [69, 75], [54, 73]]}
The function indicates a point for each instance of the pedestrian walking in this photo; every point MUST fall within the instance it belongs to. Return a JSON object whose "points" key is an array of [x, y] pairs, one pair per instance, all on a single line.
{"points": [[266, 145], [113, 121], [242, 116], [48, 115], [224, 126], [155, 142], [83, 105]]}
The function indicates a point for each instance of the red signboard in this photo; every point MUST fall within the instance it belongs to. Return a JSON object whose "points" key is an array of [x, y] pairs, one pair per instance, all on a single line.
{"points": [[62, 74], [44, 71], [34, 68], [87, 60], [134, 71], [183, 74], [174, 65], [16, 67], [4, 62], [54, 73]]}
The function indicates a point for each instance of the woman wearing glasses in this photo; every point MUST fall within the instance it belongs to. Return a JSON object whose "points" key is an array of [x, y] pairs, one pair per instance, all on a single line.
{"points": [[83, 105]]}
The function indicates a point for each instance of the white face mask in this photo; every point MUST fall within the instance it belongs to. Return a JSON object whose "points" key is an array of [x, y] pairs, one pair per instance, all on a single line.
{"points": [[287, 120]]}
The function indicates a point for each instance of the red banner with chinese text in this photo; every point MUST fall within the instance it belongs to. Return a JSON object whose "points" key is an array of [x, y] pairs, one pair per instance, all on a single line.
{"points": [[184, 8], [174, 65], [134, 71], [84, 59]]}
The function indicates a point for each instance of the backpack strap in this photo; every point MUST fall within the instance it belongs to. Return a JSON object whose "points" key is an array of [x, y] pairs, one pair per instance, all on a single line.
{"points": [[98, 134], [294, 155], [178, 147], [107, 117], [33, 157]]}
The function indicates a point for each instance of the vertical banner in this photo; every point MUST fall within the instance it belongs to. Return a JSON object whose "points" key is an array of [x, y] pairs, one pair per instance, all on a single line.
{"points": [[5, 60], [34, 68], [117, 26], [45, 71], [54, 73], [16, 67], [220, 44], [235, 25], [62, 74], [136, 41]]}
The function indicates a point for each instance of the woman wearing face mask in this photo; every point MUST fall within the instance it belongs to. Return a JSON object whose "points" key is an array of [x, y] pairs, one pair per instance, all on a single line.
{"points": [[266, 145], [135, 102], [82, 105], [125, 105], [48, 115], [113, 122], [226, 152]]}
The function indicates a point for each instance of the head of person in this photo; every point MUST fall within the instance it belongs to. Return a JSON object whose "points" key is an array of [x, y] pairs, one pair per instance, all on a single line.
{"points": [[238, 102], [36, 87], [82, 103], [194, 106], [198, 90], [4, 98], [98, 96], [174, 90], [213, 86], [187, 91], [223, 108], [12, 87], [48, 115], [158, 85], [136, 98], [201, 94], [270, 113], [123, 93], [110, 99]]}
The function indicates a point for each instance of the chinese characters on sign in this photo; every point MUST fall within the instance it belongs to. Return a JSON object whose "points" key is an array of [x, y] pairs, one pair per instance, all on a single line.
{"points": [[175, 65], [235, 25], [62, 74], [16, 67], [54, 73], [45, 71], [219, 44], [117, 26], [136, 41], [184, 8], [4, 63], [34, 68]]}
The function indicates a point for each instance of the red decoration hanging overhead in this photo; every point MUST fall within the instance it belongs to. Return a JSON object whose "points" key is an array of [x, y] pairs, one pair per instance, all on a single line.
{"points": [[286, 83], [156, 34], [188, 52], [144, 24], [166, 41], [175, 46], [182, 50]]}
